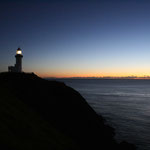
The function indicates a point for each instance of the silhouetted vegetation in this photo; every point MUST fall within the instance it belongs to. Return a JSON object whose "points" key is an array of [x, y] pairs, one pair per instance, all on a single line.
{"points": [[40, 114]]}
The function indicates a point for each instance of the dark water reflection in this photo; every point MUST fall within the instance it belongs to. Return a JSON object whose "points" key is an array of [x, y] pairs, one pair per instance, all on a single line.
{"points": [[124, 103]]}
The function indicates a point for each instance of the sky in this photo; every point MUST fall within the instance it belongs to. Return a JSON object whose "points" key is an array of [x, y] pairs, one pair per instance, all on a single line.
{"points": [[77, 38]]}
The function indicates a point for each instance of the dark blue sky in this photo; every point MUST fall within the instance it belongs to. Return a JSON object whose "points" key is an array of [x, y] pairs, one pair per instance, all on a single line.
{"points": [[77, 37]]}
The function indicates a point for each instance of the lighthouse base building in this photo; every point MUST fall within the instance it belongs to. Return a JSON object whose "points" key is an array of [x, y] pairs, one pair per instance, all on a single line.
{"points": [[18, 66]]}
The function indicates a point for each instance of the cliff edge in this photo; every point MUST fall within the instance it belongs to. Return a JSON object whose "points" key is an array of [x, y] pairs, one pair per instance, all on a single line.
{"points": [[40, 114]]}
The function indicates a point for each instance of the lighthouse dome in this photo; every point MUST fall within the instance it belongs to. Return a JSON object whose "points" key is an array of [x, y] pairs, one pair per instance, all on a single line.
{"points": [[19, 51]]}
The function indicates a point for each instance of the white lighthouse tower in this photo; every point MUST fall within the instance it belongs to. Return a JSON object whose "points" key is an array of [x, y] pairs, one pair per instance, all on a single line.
{"points": [[19, 57], [18, 65]]}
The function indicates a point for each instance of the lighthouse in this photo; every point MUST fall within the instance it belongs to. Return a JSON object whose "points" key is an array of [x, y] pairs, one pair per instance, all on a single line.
{"points": [[18, 66], [19, 57]]}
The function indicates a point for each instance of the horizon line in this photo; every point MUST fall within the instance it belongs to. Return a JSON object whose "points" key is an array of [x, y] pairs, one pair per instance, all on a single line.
{"points": [[106, 77]]}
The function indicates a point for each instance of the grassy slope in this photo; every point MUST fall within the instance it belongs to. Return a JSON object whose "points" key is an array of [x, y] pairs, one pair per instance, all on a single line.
{"points": [[22, 128]]}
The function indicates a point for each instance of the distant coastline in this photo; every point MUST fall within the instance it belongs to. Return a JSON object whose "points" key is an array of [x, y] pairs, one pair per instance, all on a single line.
{"points": [[113, 78]]}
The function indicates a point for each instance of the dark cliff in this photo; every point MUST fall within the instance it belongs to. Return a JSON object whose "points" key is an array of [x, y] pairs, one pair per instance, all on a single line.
{"points": [[40, 114]]}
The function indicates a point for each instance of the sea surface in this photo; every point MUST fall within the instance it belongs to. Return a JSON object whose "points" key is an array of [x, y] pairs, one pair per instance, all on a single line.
{"points": [[125, 104]]}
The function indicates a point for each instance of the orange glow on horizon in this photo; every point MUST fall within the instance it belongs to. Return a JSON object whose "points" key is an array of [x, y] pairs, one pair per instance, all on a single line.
{"points": [[97, 73], [113, 75]]}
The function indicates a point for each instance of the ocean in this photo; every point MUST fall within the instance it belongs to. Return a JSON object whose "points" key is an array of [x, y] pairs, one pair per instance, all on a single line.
{"points": [[125, 104]]}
